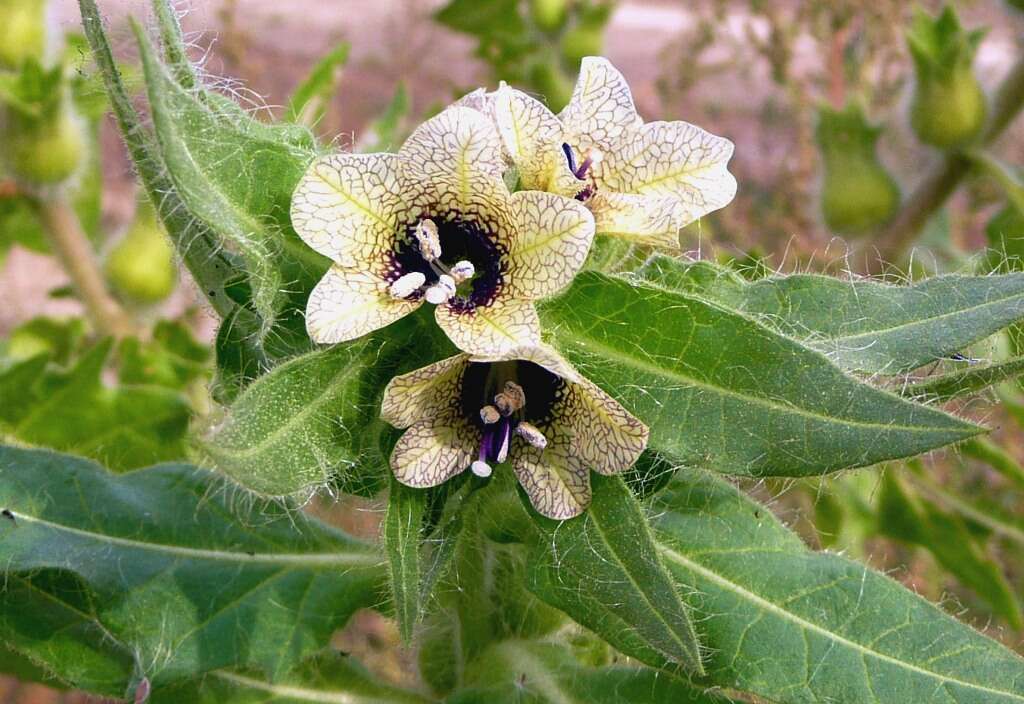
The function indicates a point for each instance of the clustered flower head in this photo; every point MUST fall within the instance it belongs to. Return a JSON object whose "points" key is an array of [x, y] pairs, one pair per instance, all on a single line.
{"points": [[437, 223]]}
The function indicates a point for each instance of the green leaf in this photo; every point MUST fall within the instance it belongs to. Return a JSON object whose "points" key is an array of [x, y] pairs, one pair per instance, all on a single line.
{"points": [[385, 133], [309, 102], [963, 382], [300, 424], [523, 672], [204, 255], [172, 358], [995, 457], [720, 391], [904, 516], [861, 325], [330, 677], [230, 174], [603, 569], [788, 624], [400, 533], [169, 565], [73, 410]]}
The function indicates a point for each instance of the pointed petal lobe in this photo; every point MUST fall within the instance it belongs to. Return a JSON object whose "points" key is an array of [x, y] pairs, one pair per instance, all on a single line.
{"points": [[552, 236], [493, 329], [649, 220], [557, 482], [605, 436], [601, 108], [533, 138], [423, 393], [673, 159], [349, 303], [347, 206], [432, 451]]}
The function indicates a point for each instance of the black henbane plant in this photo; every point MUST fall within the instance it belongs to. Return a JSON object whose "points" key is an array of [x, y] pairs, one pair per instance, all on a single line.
{"points": [[555, 440]]}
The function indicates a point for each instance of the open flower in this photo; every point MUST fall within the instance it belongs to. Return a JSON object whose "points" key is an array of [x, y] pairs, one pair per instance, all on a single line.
{"points": [[528, 407], [643, 182], [435, 223]]}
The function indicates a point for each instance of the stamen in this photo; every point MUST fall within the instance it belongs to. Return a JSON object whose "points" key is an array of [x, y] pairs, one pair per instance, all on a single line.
{"points": [[511, 399], [427, 236], [531, 434], [594, 157], [441, 291], [506, 437], [489, 415], [405, 286], [463, 271], [481, 468]]}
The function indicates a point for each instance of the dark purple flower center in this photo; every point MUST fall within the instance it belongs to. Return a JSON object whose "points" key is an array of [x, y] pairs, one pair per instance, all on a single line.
{"points": [[461, 239], [483, 381]]}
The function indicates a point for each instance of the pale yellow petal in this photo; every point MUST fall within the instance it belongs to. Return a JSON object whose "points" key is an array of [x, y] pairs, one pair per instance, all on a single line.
{"points": [[423, 393], [555, 479], [453, 163], [673, 159], [533, 139], [349, 303], [493, 329], [601, 108], [542, 355], [605, 436], [348, 206], [432, 451], [648, 220], [551, 236]]}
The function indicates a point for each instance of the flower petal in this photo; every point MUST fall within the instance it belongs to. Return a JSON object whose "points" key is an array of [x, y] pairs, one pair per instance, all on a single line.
{"points": [[601, 108], [649, 220], [533, 138], [555, 479], [349, 303], [605, 436], [432, 451], [493, 329], [551, 237], [453, 162], [423, 393], [347, 206], [674, 159], [543, 355]]}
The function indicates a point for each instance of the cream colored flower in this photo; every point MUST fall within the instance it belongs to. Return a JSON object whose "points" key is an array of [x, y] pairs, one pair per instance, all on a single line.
{"points": [[435, 223], [528, 407], [643, 182]]}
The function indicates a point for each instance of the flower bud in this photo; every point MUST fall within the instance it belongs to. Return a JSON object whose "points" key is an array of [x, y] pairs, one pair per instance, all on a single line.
{"points": [[141, 266], [22, 31], [549, 15], [857, 193], [948, 109]]}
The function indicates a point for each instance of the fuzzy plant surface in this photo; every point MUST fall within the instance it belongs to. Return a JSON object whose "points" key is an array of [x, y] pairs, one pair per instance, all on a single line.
{"points": [[490, 332]]}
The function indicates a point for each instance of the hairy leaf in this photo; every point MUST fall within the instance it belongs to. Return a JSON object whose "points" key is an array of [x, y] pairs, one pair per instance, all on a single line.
{"points": [[861, 325], [326, 679], [965, 381], [400, 533], [295, 427], [168, 569], [721, 391], [603, 569], [524, 672], [997, 458], [788, 624]]}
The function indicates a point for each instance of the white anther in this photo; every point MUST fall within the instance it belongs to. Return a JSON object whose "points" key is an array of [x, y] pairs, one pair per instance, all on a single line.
{"points": [[489, 415], [463, 271], [428, 239], [448, 282], [441, 291], [481, 468], [531, 434], [405, 286]]}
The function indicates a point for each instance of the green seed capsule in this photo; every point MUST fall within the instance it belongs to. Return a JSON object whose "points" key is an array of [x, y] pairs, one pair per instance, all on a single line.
{"points": [[549, 15], [141, 266], [22, 31], [858, 194], [44, 151]]}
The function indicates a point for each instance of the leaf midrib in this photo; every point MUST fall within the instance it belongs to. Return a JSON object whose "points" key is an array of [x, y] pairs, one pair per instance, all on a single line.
{"points": [[769, 607], [312, 560], [605, 350]]}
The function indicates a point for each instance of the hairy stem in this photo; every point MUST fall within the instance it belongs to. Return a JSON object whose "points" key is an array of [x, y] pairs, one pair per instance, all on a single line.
{"points": [[893, 242], [70, 244]]}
